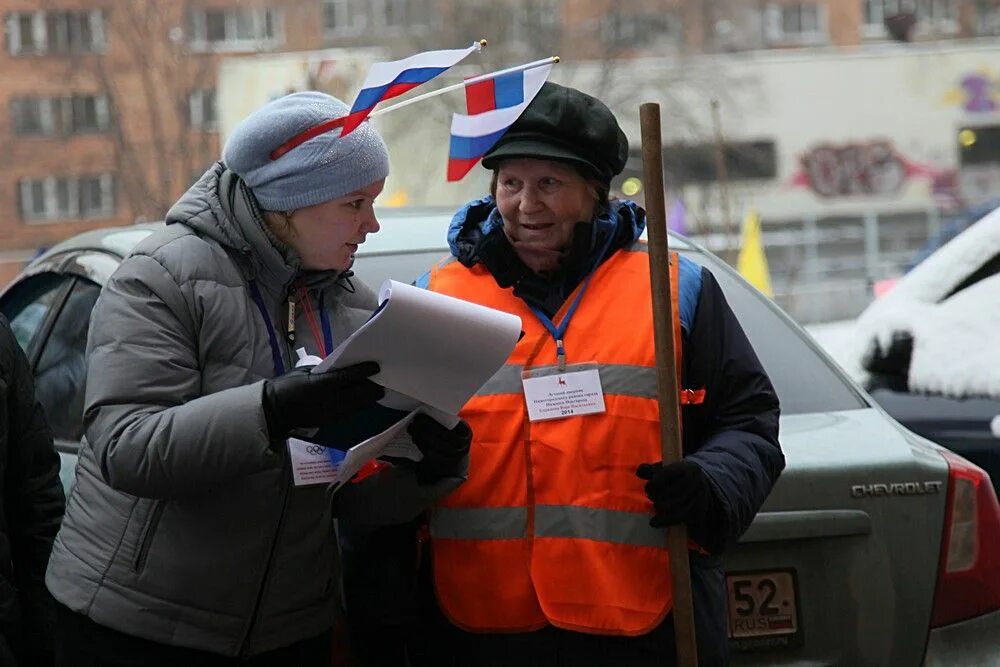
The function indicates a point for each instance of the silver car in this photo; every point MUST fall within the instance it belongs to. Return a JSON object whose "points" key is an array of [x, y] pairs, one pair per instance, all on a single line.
{"points": [[876, 547]]}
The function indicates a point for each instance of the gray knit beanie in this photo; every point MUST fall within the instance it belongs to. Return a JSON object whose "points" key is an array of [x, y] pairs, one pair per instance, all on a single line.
{"points": [[323, 168]]}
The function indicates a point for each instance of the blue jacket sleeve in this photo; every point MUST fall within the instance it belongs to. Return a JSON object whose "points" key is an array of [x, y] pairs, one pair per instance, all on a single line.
{"points": [[733, 435]]}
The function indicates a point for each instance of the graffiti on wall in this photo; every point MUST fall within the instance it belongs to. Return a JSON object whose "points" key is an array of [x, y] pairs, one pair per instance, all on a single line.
{"points": [[977, 92], [869, 168]]}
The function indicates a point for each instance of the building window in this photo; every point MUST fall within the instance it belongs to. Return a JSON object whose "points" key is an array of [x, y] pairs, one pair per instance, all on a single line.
{"points": [[52, 32], [343, 17], [402, 13], [744, 160], [987, 18], [625, 29], [29, 117], [536, 21], [96, 196], [67, 198], [795, 24], [982, 146], [235, 29], [202, 110], [59, 116], [933, 16]]}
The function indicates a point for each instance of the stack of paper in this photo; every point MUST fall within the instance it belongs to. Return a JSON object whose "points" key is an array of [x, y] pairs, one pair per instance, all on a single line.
{"points": [[434, 351]]}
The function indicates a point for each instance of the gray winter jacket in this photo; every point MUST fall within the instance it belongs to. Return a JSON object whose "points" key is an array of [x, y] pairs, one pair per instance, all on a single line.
{"points": [[183, 526]]}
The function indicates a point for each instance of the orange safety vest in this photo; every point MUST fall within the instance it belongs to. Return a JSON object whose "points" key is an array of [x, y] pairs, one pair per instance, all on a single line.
{"points": [[552, 526]]}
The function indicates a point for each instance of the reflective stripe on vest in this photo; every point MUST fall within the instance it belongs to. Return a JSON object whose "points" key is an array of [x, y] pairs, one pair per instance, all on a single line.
{"points": [[505, 523], [552, 526], [615, 379]]}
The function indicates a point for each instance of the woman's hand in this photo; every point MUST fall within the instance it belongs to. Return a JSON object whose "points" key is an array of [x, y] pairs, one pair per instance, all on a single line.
{"points": [[444, 450], [302, 399], [681, 492]]}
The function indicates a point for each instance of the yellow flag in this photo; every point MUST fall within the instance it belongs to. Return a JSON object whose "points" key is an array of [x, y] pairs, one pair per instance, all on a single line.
{"points": [[752, 264], [397, 198]]}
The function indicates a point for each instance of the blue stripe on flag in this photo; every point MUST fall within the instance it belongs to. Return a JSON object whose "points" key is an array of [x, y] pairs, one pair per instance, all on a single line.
{"points": [[468, 148], [369, 97], [509, 89]]}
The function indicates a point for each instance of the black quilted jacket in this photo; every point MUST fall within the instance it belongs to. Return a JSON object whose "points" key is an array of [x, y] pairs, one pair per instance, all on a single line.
{"points": [[31, 506]]}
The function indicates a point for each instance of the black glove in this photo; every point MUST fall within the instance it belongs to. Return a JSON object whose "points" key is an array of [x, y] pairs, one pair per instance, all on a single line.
{"points": [[444, 450], [301, 399], [681, 493]]}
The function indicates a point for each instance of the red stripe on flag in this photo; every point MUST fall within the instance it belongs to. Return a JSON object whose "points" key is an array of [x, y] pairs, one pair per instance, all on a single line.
{"points": [[480, 97], [457, 169], [352, 121], [397, 89], [303, 137]]}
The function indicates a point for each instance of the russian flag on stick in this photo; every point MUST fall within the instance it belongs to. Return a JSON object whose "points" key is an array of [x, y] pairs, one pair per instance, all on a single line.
{"points": [[388, 80], [494, 103]]}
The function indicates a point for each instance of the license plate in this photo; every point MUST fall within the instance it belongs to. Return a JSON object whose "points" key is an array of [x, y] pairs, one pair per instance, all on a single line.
{"points": [[763, 609]]}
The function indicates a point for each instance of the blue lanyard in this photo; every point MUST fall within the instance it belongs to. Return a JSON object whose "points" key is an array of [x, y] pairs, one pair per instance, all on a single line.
{"points": [[279, 365], [272, 336], [559, 332]]}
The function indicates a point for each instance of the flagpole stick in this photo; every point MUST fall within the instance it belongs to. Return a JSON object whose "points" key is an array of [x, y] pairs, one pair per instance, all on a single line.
{"points": [[463, 84], [666, 372]]}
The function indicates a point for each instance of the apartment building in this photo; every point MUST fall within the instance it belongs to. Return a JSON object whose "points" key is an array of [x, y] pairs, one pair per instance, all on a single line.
{"points": [[108, 109]]}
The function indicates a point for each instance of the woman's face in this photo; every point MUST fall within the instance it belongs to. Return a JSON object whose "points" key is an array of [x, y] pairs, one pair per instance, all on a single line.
{"points": [[327, 235], [540, 202]]}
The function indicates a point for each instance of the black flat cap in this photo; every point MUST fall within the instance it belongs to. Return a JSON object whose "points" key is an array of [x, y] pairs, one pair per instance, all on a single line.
{"points": [[565, 125]]}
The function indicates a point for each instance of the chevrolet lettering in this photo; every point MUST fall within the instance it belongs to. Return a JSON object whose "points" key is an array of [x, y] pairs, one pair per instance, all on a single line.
{"points": [[895, 489]]}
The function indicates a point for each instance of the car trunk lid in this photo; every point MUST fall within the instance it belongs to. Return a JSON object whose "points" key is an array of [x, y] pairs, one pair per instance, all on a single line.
{"points": [[840, 565]]}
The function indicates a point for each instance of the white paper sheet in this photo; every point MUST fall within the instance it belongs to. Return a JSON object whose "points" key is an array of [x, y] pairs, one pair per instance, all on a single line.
{"points": [[432, 348], [435, 352], [393, 441], [377, 446]]}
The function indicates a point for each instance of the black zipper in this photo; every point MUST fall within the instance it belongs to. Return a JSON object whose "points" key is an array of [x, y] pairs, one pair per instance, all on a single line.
{"points": [[147, 536]]}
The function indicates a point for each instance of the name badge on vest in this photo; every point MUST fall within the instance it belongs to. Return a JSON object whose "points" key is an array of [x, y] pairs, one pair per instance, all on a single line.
{"points": [[554, 393]]}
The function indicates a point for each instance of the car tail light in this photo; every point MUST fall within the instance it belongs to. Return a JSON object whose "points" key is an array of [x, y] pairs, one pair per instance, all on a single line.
{"points": [[969, 567]]}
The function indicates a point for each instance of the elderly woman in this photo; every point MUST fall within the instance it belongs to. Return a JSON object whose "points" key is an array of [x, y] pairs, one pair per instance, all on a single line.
{"points": [[554, 551], [187, 537]]}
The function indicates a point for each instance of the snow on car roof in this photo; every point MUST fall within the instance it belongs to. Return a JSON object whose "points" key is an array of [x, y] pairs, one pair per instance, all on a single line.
{"points": [[954, 338]]}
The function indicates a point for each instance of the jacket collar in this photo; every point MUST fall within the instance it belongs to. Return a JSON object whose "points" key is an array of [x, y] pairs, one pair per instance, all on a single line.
{"points": [[625, 220], [475, 236], [221, 206]]}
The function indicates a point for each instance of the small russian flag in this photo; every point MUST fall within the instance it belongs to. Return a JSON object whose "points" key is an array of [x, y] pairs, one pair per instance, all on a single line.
{"points": [[388, 80], [493, 104]]}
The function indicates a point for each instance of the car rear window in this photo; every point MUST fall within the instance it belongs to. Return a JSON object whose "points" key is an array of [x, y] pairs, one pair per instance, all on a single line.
{"points": [[989, 268], [804, 379]]}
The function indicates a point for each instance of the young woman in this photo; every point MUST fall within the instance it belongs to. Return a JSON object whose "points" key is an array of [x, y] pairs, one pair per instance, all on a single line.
{"points": [[186, 540]]}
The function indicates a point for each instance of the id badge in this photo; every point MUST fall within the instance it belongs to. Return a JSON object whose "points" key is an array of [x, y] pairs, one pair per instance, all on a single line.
{"points": [[312, 463], [554, 393]]}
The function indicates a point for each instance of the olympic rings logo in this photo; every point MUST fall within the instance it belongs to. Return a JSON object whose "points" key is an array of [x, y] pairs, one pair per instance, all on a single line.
{"points": [[315, 450]]}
